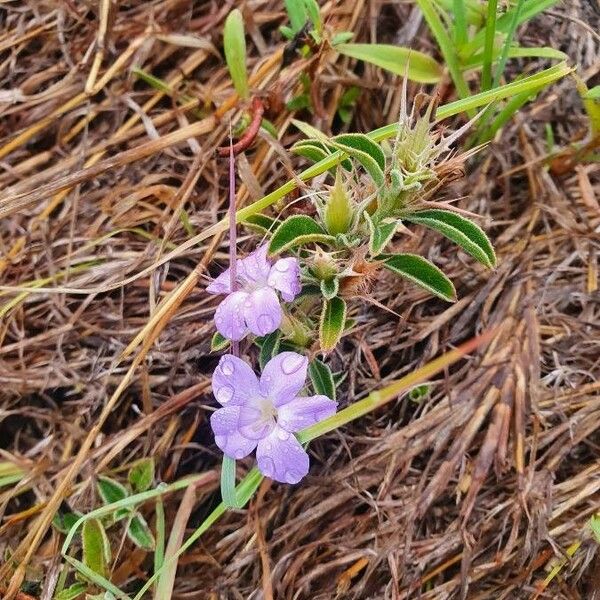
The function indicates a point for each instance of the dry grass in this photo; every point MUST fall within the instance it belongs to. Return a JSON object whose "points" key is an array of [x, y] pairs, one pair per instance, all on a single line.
{"points": [[472, 491]]}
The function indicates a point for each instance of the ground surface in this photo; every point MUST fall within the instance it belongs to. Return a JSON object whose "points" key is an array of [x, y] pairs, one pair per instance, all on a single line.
{"points": [[471, 490]]}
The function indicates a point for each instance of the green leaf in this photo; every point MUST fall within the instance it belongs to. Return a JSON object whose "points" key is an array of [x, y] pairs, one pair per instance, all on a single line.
{"points": [[72, 592], [297, 230], [313, 12], [261, 223], [593, 93], [368, 153], [341, 38], [64, 521], [141, 475], [527, 84], [331, 327], [96, 547], [296, 10], [380, 234], [338, 213], [321, 378], [517, 52], [447, 47], [110, 490], [421, 67], [140, 533], [469, 236], [530, 9], [315, 150], [218, 342], [269, 347], [595, 526], [330, 288], [228, 482], [234, 44], [422, 272]]}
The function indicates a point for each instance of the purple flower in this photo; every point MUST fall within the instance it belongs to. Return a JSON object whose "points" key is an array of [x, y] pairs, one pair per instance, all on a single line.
{"points": [[254, 305], [265, 413]]}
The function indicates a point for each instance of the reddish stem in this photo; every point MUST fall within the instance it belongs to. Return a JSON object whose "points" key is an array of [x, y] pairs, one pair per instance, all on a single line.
{"points": [[257, 111]]}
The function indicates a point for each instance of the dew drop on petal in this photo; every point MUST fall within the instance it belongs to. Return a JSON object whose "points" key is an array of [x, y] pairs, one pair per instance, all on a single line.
{"points": [[282, 434], [265, 323], [224, 394], [239, 453], [227, 367], [266, 466], [281, 266], [292, 363]]}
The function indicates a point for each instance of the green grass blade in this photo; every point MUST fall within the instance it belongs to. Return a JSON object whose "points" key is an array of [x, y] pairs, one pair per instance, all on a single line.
{"points": [[447, 48], [417, 66], [488, 47], [460, 23], [514, 23]]}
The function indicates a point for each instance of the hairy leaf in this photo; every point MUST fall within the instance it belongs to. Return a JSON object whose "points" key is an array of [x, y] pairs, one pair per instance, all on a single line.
{"points": [[141, 475], [140, 533], [321, 378], [422, 272], [298, 230], [96, 548], [469, 236], [331, 327], [110, 490]]}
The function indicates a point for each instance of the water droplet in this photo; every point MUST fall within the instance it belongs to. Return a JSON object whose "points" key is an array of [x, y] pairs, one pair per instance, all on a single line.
{"points": [[282, 266], [292, 363], [227, 367], [283, 435], [239, 453], [266, 466], [248, 304], [265, 324], [224, 394]]}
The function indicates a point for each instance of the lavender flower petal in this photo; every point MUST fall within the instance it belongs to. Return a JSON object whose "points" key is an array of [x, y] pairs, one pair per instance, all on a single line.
{"points": [[304, 411], [281, 457], [283, 377], [255, 267], [224, 423], [221, 284], [262, 311], [285, 277], [234, 382], [229, 318]]}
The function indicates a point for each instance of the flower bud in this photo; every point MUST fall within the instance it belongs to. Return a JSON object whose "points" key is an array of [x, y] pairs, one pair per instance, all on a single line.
{"points": [[338, 209]]}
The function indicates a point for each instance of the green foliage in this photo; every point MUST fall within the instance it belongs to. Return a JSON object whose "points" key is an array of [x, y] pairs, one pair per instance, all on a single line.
{"points": [[338, 213], [228, 482], [96, 547], [330, 288], [72, 592], [380, 233], [111, 490], [295, 231], [261, 223], [218, 342], [415, 65], [422, 272], [64, 521], [321, 378], [595, 526], [333, 319], [269, 347], [141, 475], [470, 237], [140, 533], [234, 45]]}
